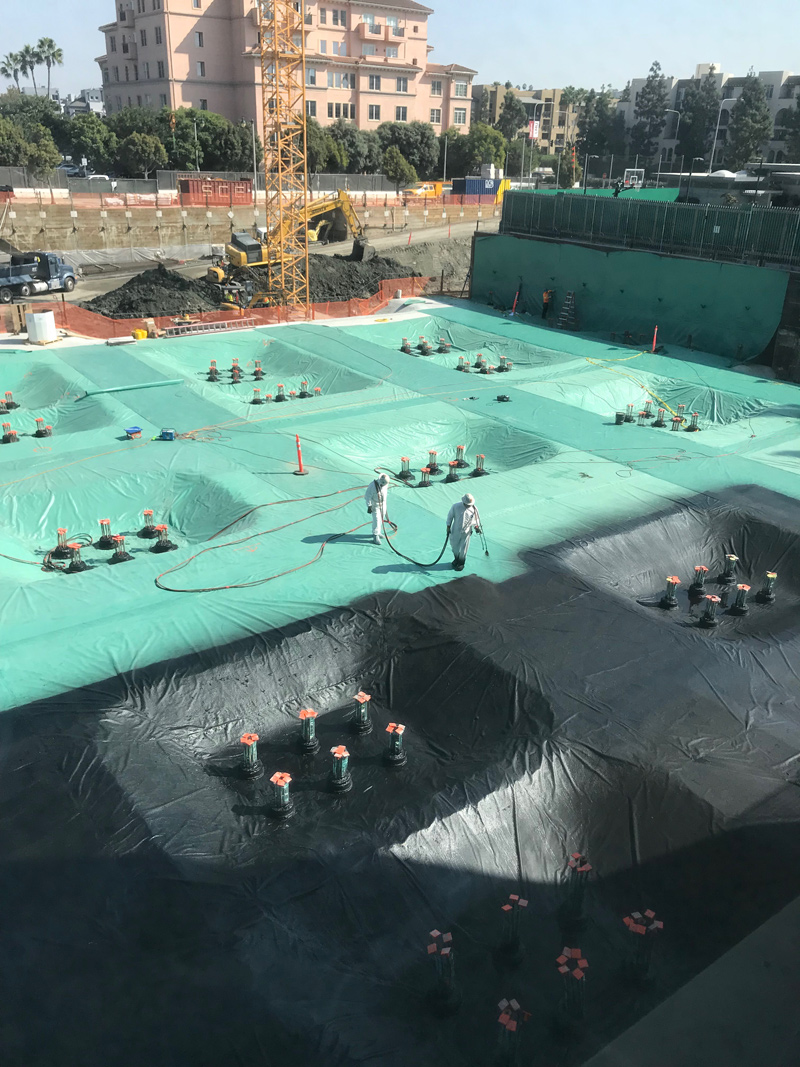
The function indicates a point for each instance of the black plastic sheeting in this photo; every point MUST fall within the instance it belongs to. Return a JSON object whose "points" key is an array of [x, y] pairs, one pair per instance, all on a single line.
{"points": [[156, 912]]}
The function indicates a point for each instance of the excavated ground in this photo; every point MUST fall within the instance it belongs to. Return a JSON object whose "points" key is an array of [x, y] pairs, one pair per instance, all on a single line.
{"points": [[165, 292]]}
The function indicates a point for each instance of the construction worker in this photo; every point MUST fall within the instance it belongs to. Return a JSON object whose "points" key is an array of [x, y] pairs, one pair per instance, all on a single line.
{"points": [[375, 496], [547, 297], [462, 519]]}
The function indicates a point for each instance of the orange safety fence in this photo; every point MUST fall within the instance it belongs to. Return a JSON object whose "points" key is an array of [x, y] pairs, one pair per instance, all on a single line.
{"points": [[85, 323]]}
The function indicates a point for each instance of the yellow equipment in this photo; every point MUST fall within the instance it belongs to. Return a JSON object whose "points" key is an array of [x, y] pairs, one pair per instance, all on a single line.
{"points": [[335, 214]]}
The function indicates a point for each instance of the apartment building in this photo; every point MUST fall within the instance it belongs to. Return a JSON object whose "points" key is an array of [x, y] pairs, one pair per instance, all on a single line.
{"points": [[367, 63], [558, 121], [780, 86]]}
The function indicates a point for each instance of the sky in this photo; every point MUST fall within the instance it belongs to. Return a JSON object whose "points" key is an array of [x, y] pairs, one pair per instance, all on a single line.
{"points": [[580, 43]]}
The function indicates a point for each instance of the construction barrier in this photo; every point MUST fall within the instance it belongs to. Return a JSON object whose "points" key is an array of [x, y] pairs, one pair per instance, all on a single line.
{"points": [[85, 323]]}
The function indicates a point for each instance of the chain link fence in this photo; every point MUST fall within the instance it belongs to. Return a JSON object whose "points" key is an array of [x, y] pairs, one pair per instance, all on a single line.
{"points": [[763, 236]]}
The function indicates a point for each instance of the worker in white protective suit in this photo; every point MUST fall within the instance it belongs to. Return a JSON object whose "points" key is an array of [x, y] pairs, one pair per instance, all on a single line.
{"points": [[375, 496], [462, 519]]}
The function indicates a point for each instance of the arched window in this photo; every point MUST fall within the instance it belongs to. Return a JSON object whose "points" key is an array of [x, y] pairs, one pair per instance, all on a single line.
{"points": [[771, 157], [780, 124]]}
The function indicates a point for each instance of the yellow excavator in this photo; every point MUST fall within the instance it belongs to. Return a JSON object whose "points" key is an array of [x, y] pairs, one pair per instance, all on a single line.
{"points": [[326, 220]]}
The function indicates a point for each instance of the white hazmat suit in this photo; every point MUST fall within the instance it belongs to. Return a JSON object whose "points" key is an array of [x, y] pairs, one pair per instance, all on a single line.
{"points": [[375, 497], [462, 519]]}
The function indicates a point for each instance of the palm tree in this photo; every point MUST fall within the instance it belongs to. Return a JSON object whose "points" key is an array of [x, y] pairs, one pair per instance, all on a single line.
{"points": [[28, 62], [10, 67], [51, 55]]}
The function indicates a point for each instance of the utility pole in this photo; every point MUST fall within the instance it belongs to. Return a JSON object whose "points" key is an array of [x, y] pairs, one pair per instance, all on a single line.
{"points": [[444, 168]]}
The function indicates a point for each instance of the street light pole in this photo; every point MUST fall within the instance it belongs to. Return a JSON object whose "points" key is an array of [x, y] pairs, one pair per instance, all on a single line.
{"points": [[586, 170], [716, 132], [689, 182]]}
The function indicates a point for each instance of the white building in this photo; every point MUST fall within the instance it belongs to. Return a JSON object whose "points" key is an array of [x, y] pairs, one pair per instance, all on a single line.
{"points": [[781, 88], [88, 101]]}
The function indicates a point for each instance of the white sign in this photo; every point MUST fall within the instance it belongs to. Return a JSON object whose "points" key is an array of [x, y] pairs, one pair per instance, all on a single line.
{"points": [[533, 130]]}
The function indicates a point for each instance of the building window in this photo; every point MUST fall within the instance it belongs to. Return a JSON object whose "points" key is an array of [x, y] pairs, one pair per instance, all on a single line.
{"points": [[436, 116], [402, 85], [375, 112], [136, 72], [323, 48], [138, 101], [311, 76], [162, 99], [768, 91], [311, 109], [330, 111], [400, 114], [161, 70], [116, 74], [140, 6], [129, 102], [198, 40], [127, 75], [148, 100], [323, 18], [156, 5], [339, 49], [146, 69], [339, 18], [119, 103], [105, 74], [375, 82], [459, 116], [368, 50], [201, 69], [391, 51], [369, 19], [461, 89], [122, 14], [112, 44], [341, 81], [203, 104], [393, 21], [143, 38], [436, 88], [195, 3], [158, 35]]}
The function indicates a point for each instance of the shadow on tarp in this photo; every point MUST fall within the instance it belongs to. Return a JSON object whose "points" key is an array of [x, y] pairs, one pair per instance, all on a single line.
{"points": [[163, 916]]}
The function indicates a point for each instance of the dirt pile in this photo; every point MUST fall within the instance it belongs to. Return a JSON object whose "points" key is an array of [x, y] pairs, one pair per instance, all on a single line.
{"points": [[165, 292], [156, 292]]}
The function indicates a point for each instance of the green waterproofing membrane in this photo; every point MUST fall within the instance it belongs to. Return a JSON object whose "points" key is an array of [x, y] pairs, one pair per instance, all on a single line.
{"points": [[663, 195], [727, 308], [558, 468], [756, 235]]}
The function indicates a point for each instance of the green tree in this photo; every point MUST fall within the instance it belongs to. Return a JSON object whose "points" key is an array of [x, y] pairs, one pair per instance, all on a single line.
{"points": [[513, 115], [50, 54], [92, 139], [141, 153], [416, 142], [483, 106], [455, 153], [13, 146], [572, 100], [600, 130], [30, 111], [699, 110], [137, 120], [397, 169], [362, 147], [10, 68], [317, 148], [483, 144], [792, 127], [650, 113], [43, 156], [566, 176], [750, 126], [338, 160], [28, 62]]}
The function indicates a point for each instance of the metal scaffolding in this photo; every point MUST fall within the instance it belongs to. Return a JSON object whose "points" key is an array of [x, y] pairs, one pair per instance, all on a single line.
{"points": [[283, 75]]}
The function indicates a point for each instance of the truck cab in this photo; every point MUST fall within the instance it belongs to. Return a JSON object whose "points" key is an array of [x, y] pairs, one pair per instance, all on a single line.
{"points": [[35, 272]]}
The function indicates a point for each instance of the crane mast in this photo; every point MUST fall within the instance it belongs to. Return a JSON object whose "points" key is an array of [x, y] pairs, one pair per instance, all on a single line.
{"points": [[283, 95]]}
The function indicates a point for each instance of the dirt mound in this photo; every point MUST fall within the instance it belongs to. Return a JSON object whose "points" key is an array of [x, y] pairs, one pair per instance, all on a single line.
{"points": [[344, 278], [155, 292], [165, 292]]}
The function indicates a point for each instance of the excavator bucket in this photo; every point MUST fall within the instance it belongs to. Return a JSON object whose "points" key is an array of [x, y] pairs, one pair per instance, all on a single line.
{"points": [[363, 251]]}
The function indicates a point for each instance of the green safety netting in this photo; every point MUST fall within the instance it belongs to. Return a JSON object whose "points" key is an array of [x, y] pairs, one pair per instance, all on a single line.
{"points": [[558, 468]]}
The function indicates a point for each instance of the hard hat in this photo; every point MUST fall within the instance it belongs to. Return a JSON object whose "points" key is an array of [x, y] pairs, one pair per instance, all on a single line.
{"points": [[384, 479], [467, 499]]}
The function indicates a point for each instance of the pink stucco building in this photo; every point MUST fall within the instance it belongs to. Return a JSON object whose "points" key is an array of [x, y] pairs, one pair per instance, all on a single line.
{"points": [[367, 63]]}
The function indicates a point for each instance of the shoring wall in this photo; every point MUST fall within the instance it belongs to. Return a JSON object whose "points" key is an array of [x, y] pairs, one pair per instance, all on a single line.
{"points": [[725, 308]]}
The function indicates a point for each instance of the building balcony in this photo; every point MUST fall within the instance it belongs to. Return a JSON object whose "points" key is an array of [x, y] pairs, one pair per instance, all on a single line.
{"points": [[370, 31], [128, 49]]}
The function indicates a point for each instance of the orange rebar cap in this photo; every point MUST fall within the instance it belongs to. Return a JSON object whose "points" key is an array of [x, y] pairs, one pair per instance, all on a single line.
{"points": [[249, 739], [339, 752], [362, 697], [395, 728], [308, 713], [281, 778]]}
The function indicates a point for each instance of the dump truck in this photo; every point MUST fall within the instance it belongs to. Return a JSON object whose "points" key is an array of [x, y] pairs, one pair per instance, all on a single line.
{"points": [[325, 220], [35, 272]]}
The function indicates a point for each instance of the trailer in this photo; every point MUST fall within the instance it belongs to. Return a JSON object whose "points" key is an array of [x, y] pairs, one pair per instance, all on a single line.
{"points": [[30, 273]]}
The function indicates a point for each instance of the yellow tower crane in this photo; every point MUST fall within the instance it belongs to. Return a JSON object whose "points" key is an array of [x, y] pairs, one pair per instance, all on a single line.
{"points": [[283, 95]]}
